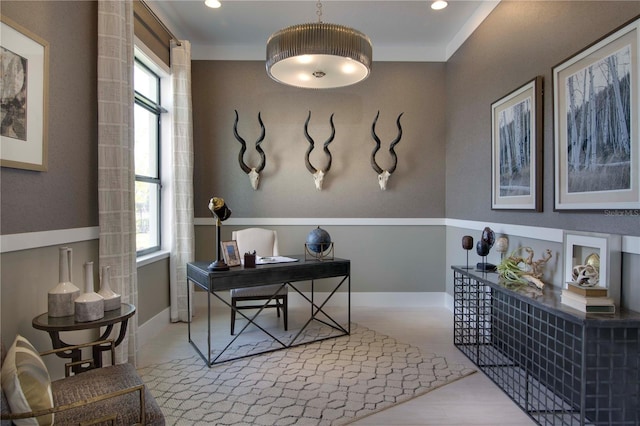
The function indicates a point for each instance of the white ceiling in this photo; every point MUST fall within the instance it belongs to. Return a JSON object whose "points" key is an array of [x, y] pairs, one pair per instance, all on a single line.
{"points": [[399, 30]]}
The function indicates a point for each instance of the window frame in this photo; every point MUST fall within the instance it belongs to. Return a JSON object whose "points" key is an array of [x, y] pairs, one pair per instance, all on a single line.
{"points": [[158, 110]]}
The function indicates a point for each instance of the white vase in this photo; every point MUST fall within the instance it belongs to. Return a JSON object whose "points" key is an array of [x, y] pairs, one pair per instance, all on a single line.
{"points": [[111, 298], [89, 305], [60, 299]]}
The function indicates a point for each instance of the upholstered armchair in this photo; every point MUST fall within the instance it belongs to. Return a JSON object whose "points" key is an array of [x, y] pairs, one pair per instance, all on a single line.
{"points": [[113, 395], [265, 243]]}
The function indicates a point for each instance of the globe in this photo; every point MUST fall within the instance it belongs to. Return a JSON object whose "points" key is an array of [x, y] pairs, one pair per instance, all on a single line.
{"points": [[318, 240]]}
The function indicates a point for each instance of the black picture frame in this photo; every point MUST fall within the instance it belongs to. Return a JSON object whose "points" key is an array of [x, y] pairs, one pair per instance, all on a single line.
{"points": [[516, 149]]}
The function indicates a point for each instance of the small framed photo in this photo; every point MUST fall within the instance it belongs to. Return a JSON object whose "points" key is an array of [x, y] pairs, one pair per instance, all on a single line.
{"points": [[230, 253], [596, 119], [516, 149], [24, 88], [604, 251]]}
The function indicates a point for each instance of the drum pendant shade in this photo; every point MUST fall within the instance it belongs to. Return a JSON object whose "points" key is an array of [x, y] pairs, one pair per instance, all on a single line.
{"points": [[318, 56]]}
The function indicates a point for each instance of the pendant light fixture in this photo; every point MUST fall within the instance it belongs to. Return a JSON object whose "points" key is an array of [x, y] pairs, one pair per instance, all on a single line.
{"points": [[318, 55]]}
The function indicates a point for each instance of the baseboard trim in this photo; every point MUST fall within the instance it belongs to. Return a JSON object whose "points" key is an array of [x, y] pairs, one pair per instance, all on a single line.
{"points": [[448, 301], [153, 327]]}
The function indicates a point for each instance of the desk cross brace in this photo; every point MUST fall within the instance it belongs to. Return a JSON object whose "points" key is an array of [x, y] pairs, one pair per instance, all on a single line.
{"points": [[251, 320], [335, 325]]}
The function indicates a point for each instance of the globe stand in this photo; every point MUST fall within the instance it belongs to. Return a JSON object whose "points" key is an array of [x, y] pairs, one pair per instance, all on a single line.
{"points": [[325, 253]]}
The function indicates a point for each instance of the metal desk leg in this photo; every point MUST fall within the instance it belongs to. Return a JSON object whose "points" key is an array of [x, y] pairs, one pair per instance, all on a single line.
{"points": [[209, 363], [349, 304], [188, 312]]}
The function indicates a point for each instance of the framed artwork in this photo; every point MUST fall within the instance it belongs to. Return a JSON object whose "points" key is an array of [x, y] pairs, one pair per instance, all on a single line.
{"points": [[595, 102], [230, 253], [579, 247], [516, 149], [23, 97]]}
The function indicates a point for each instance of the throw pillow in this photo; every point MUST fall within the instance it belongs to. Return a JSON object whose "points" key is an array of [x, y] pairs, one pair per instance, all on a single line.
{"points": [[26, 382]]}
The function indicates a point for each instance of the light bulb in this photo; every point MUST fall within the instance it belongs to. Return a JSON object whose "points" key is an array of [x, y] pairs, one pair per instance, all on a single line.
{"points": [[305, 59], [214, 4], [439, 5]]}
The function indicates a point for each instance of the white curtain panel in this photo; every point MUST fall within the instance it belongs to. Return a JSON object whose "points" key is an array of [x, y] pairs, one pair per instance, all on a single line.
{"points": [[182, 247], [116, 168]]}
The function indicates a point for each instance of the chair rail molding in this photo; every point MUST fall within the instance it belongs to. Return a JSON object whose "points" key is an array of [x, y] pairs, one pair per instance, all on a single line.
{"points": [[310, 221], [630, 244], [32, 240]]}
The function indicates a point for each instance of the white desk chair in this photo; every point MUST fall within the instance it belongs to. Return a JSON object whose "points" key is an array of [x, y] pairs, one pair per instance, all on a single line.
{"points": [[265, 243]]}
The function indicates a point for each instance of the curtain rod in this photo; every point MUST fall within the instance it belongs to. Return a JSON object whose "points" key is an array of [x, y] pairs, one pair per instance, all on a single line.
{"points": [[164, 27]]}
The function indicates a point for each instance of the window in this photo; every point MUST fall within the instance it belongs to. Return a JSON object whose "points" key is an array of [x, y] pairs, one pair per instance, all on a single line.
{"points": [[147, 124]]}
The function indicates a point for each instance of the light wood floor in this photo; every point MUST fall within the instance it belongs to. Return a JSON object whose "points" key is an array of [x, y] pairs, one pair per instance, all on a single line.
{"points": [[473, 400]]}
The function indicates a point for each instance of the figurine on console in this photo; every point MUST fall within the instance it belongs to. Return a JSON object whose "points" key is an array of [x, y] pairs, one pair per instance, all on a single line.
{"points": [[587, 275], [483, 247]]}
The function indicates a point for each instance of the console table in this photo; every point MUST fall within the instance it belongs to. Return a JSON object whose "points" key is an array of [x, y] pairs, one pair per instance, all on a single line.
{"points": [[277, 273], [560, 365], [55, 325]]}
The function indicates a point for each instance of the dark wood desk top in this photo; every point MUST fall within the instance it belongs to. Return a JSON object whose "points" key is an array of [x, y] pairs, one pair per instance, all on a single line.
{"points": [[273, 273], [69, 323]]}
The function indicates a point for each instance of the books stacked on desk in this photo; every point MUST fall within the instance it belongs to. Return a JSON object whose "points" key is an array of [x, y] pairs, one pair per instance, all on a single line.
{"points": [[588, 299]]}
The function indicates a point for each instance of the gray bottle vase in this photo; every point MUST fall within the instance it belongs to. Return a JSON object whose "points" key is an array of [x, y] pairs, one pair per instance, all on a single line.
{"points": [[89, 305], [60, 299]]}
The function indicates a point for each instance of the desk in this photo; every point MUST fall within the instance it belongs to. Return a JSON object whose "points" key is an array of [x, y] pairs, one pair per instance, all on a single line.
{"points": [[279, 273], [58, 324]]}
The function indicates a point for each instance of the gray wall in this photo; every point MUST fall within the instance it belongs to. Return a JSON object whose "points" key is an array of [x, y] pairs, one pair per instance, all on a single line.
{"points": [[457, 256], [441, 103], [416, 189], [27, 276], [153, 293], [383, 258], [65, 196], [518, 41]]}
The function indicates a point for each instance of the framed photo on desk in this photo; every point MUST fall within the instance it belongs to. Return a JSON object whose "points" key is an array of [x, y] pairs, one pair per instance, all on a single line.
{"points": [[230, 253]]}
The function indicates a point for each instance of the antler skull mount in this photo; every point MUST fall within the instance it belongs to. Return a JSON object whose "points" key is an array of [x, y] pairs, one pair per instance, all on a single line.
{"points": [[383, 175], [318, 174], [253, 172]]}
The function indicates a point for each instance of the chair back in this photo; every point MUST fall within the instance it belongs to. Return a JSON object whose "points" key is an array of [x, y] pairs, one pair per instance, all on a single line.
{"points": [[263, 241]]}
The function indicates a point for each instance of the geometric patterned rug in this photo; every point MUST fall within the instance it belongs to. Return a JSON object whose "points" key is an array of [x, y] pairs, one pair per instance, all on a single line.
{"points": [[332, 382]]}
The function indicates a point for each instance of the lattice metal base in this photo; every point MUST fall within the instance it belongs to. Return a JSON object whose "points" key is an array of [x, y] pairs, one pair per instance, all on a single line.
{"points": [[561, 369]]}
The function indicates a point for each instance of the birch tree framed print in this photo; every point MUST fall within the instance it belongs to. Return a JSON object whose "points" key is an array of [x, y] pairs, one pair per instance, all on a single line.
{"points": [[516, 149], [596, 148], [23, 97]]}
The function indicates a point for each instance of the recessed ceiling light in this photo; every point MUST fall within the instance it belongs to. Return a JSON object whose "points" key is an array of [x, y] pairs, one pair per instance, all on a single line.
{"points": [[439, 5], [213, 4]]}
